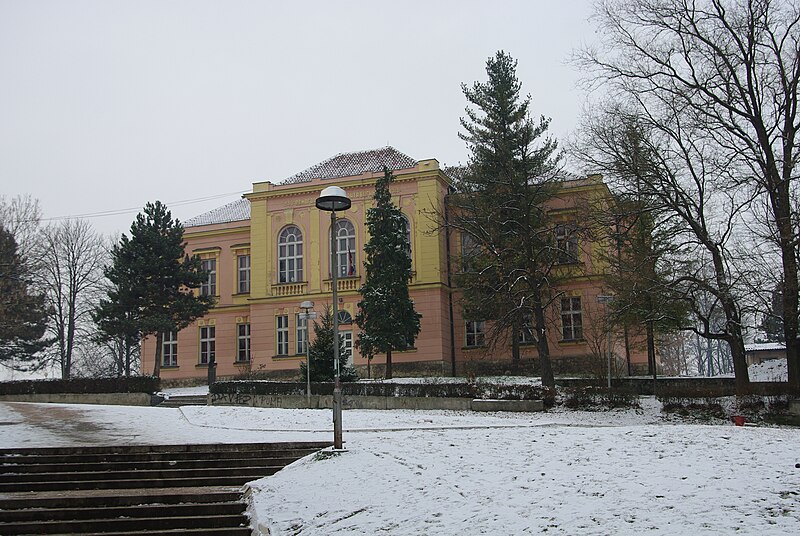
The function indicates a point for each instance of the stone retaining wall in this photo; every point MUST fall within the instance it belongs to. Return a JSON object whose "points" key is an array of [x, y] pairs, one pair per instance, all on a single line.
{"points": [[373, 402]]}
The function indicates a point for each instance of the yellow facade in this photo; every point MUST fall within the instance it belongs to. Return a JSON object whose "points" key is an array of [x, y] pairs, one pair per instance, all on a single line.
{"points": [[270, 307]]}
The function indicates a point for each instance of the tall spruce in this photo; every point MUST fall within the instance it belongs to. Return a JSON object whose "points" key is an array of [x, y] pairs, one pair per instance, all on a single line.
{"points": [[499, 205], [23, 313], [386, 313], [151, 281]]}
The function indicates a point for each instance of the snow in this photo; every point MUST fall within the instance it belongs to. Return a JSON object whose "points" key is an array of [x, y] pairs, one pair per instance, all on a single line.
{"points": [[772, 370], [561, 472]]}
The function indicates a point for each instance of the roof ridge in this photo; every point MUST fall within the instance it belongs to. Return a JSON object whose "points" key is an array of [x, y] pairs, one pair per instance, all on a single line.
{"points": [[352, 163]]}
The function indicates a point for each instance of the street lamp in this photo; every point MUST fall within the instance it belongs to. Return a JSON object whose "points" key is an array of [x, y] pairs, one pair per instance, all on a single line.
{"points": [[606, 300], [307, 315], [332, 199]]}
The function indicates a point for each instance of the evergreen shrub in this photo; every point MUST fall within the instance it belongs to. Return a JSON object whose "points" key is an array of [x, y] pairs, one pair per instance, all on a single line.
{"points": [[133, 384]]}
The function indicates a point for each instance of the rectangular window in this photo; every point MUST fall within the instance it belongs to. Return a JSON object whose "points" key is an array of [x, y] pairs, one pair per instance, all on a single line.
{"points": [[567, 243], [475, 336], [571, 319], [282, 334], [347, 358], [469, 251], [243, 264], [301, 324], [169, 349], [209, 286], [207, 344], [243, 343]]}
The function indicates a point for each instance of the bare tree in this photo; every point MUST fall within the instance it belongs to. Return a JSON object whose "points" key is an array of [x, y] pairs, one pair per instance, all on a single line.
{"points": [[21, 216], [680, 176], [732, 68], [72, 256]]}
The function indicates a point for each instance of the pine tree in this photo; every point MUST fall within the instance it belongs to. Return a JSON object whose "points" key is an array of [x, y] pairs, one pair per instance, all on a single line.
{"points": [[151, 280], [500, 204], [386, 313], [320, 353], [23, 315]]}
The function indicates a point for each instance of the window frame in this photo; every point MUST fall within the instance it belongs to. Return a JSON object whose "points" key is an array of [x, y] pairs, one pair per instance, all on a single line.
{"points": [[567, 243], [571, 319], [301, 344], [209, 286], [169, 347], [243, 274], [208, 344], [290, 253], [345, 254], [476, 331], [243, 342], [282, 335]]}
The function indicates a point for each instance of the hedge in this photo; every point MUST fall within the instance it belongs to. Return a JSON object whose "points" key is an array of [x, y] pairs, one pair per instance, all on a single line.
{"points": [[133, 384], [424, 390]]}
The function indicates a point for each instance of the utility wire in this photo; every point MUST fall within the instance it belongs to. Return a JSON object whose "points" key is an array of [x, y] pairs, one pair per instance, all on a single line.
{"points": [[117, 212]]}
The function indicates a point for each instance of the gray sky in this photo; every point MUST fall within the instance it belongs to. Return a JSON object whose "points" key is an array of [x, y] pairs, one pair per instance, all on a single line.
{"points": [[105, 105]]}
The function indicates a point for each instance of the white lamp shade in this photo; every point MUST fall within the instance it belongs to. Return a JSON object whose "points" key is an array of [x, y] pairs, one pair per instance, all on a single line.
{"points": [[333, 198]]}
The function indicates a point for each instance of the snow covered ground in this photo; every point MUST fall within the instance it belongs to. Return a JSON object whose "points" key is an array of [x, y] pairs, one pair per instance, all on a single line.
{"points": [[626, 472], [773, 370]]}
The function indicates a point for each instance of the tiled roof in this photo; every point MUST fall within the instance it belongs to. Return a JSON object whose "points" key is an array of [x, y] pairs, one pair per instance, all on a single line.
{"points": [[352, 164], [238, 210]]}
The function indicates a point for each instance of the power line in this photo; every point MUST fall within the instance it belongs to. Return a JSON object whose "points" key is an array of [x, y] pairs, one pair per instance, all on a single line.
{"points": [[120, 211]]}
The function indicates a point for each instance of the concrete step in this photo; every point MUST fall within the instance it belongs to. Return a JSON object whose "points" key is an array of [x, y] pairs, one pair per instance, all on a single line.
{"points": [[220, 448], [176, 401], [138, 490], [217, 531], [134, 483], [132, 511], [144, 464], [129, 497], [144, 474], [214, 455], [122, 524]]}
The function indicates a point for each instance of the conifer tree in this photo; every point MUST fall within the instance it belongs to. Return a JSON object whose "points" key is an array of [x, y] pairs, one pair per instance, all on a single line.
{"points": [[320, 353], [23, 314], [151, 280], [386, 313], [500, 205]]}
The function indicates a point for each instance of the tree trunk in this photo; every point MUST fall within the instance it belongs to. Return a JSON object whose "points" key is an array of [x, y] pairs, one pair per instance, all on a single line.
{"points": [[651, 349], [388, 374], [515, 357], [739, 365], [157, 366], [545, 366], [627, 349]]}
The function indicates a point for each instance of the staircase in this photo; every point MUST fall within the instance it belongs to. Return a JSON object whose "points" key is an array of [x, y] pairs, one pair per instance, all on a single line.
{"points": [[176, 401], [136, 490]]}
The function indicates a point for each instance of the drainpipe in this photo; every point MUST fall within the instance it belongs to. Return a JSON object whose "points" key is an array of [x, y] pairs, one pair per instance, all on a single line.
{"points": [[449, 283]]}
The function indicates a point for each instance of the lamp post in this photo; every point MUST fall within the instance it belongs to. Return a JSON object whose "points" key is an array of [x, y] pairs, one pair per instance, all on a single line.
{"points": [[607, 300], [332, 199], [307, 315]]}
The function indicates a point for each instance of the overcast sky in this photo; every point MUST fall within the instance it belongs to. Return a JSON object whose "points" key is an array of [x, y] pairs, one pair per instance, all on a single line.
{"points": [[105, 105]]}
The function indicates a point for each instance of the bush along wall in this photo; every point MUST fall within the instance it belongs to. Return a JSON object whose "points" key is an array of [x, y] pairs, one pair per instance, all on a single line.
{"points": [[133, 384], [424, 390]]}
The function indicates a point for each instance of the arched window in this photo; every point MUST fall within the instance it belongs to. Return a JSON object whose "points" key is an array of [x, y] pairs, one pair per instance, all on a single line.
{"points": [[345, 236], [344, 318], [290, 255]]}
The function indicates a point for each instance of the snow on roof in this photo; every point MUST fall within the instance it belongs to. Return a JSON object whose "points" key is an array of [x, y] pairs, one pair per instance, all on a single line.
{"points": [[238, 210], [353, 164], [764, 346]]}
